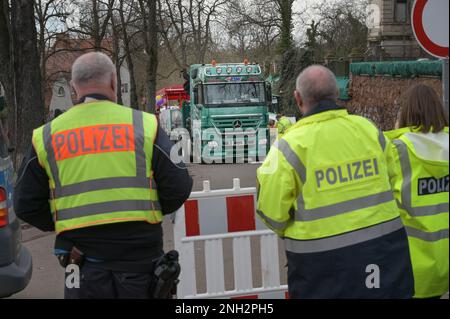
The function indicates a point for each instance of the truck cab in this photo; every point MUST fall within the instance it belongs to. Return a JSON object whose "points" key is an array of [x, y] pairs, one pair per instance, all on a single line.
{"points": [[228, 112]]}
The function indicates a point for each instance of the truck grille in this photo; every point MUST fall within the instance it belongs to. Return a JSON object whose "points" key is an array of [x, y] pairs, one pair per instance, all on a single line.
{"points": [[224, 123]]}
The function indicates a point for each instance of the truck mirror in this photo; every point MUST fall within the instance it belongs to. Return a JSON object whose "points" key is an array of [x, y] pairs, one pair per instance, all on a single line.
{"points": [[269, 93], [196, 95]]}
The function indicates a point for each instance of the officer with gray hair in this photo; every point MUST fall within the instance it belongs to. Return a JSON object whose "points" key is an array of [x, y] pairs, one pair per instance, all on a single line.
{"points": [[316, 86], [100, 175], [325, 188], [94, 73]]}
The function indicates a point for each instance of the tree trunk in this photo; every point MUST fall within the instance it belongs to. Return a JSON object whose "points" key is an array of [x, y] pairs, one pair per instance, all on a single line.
{"points": [[41, 46], [29, 110], [116, 57], [126, 40], [133, 93], [96, 26], [152, 65], [119, 82], [5, 55]]}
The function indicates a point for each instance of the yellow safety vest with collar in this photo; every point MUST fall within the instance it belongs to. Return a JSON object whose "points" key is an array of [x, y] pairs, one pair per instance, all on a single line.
{"points": [[422, 191], [325, 185], [98, 158]]}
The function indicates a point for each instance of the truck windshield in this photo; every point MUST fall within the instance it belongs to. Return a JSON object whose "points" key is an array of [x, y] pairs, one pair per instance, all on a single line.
{"points": [[234, 93]]}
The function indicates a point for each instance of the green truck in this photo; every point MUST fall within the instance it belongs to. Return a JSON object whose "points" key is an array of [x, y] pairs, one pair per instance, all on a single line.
{"points": [[228, 112]]}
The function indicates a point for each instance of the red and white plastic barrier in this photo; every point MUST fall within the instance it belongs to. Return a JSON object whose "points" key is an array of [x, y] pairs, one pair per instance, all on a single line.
{"points": [[210, 217]]}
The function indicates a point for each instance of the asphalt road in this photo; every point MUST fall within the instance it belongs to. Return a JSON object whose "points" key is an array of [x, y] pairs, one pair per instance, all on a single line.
{"points": [[48, 277]]}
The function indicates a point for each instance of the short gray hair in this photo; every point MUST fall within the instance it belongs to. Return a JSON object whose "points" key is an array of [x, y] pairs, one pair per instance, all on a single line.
{"points": [[317, 83], [92, 68]]}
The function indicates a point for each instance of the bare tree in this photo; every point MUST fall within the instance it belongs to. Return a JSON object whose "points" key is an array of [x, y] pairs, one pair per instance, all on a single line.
{"points": [[148, 12], [18, 35], [254, 29], [93, 20], [186, 28], [6, 57], [128, 17], [266, 26], [274, 16], [340, 27], [50, 18], [116, 54]]}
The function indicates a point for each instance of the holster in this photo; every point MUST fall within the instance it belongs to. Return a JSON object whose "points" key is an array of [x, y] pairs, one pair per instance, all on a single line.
{"points": [[75, 257], [166, 273]]}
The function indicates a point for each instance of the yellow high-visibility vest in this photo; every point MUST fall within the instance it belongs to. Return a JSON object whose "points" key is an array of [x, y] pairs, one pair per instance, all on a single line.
{"points": [[330, 181], [98, 157], [422, 191]]}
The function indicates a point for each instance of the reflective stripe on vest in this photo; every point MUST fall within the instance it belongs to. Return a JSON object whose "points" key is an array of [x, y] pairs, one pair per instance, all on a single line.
{"points": [[271, 222], [343, 240], [427, 236], [292, 158], [382, 140], [303, 214], [103, 184], [407, 187], [108, 207]]}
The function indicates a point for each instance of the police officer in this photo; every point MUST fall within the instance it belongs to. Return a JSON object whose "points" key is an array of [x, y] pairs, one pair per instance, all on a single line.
{"points": [[101, 177], [421, 149], [325, 189]]}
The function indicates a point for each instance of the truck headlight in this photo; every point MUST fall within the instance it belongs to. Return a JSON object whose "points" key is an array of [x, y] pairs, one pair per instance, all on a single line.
{"points": [[213, 144], [263, 141]]}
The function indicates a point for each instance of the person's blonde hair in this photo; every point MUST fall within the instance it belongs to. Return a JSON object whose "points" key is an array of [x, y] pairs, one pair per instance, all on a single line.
{"points": [[421, 108]]}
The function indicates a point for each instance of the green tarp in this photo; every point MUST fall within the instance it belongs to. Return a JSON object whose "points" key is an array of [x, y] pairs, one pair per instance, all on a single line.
{"points": [[273, 79], [343, 84], [407, 69]]}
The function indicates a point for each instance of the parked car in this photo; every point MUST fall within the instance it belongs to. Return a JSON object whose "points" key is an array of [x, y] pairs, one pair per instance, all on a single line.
{"points": [[15, 260]]}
